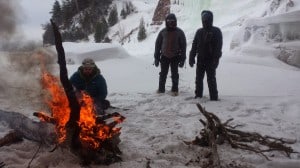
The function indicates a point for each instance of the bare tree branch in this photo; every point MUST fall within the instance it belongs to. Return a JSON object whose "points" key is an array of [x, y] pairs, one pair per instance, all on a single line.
{"points": [[215, 132]]}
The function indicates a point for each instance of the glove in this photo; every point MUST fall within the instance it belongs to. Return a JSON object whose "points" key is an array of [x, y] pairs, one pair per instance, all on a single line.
{"points": [[156, 62], [181, 63], [215, 63], [192, 62]]}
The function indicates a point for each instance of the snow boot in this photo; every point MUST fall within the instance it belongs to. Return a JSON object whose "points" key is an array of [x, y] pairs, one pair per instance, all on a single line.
{"points": [[174, 93]]}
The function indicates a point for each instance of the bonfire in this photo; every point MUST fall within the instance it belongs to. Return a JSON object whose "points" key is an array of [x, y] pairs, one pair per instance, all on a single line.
{"points": [[93, 138]]}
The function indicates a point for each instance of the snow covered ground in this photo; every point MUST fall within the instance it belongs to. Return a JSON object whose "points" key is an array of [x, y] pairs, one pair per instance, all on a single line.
{"points": [[255, 88]]}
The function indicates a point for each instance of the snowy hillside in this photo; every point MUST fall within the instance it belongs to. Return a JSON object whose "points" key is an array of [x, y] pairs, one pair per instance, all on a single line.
{"points": [[270, 23], [256, 89]]}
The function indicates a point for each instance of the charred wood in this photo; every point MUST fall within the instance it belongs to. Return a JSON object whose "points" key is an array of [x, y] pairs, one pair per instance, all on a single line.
{"points": [[27, 128], [45, 117], [11, 138], [73, 129], [2, 164]]}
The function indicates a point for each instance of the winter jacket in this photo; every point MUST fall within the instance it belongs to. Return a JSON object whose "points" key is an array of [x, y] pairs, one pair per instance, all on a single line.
{"points": [[95, 85], [207, 43], [170, 42]]}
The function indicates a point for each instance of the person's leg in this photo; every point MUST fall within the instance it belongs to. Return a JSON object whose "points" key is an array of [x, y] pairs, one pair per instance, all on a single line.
{"points": [[200, 71], [106, 104], [212, 83], [174, 74], [164, 65], [99, 107]]}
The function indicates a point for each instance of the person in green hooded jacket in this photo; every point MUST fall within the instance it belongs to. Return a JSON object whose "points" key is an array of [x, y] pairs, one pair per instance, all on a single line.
{"points": [[88, 78]]}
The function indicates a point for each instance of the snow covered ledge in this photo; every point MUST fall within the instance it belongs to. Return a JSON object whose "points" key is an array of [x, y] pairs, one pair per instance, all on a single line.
{"points": [[76, 52], [286, 33], [280, 32]]}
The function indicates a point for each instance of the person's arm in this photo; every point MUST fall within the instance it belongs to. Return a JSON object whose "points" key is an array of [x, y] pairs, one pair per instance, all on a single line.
{"points": [[217, 47], [75, 81], [219, 44], [183, 46], [102, 88], [158, 43], [194, 51]]}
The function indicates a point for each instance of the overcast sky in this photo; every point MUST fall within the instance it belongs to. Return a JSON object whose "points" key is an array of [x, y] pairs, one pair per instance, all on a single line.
{"points": [[35, 13]]}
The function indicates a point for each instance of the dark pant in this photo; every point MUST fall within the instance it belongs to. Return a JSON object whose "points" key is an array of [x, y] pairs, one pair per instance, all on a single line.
{"points": [[101, 106], [210, 71], [165, 63]]}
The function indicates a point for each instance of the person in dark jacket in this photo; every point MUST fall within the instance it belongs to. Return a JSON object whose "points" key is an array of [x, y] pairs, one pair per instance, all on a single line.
{"points": [[207, 46], [88, 78], [170, 51]]}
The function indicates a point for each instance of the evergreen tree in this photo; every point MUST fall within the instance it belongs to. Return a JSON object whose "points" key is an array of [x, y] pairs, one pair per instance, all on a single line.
{"points": [[107, 40], [48, 36], [123, 13], [142, 31], [68, 11], [77, 18], [56, 13], [100, 30], [74, 34], [82, 4], [113, 16], [98, 33], [129, 7], [86, 22]]}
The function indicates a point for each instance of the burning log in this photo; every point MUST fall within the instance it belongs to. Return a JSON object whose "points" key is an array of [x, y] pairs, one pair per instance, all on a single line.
{"points": [[45, 117], [92, 138], [215, 132], [72, 127]]}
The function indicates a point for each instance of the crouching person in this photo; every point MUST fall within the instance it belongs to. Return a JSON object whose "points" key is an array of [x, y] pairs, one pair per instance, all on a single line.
{"points": [[88, 78]]}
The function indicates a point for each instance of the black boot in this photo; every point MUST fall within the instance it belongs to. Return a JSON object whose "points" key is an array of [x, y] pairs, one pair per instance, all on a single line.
{"points": [[214, 98], [162, 83]]}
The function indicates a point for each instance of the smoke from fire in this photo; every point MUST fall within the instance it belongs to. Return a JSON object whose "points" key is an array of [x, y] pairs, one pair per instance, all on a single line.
{"points": [[8, 18], [11, 36], [20, 75], [20, 60]]}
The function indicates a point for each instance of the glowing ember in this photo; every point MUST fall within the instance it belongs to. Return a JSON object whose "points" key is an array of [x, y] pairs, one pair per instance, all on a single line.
{"points": [[92, 134]]}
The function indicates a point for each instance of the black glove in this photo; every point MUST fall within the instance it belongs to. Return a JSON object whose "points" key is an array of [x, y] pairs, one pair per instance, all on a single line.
{"points": [[215, 63], [192, 62], [156, 62], [181, 64]]}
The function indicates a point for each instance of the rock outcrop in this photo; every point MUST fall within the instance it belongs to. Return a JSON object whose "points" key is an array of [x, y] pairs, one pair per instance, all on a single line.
{"points": [[162, 9]]}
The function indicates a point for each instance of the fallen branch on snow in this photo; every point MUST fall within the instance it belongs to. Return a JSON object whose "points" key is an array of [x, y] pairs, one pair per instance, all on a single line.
{"points": [[215, 132]]}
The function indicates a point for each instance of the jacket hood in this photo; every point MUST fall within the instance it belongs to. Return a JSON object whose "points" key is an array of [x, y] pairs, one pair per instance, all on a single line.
{"points": [[96, 71], [207, 19], [171, 21]]}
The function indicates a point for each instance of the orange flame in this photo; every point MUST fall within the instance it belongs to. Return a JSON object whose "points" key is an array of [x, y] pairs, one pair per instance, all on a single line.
{"points": [[92, 134], [57, 102]]}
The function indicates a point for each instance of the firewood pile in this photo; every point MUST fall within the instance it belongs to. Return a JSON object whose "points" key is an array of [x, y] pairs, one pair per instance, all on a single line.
{"points": [[216, 133], [107, 150]]}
